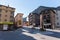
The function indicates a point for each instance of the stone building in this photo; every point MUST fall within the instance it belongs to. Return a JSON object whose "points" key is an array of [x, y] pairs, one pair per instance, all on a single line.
{"points": [[47, 18], [55, 12], [34, 19], [6, 17], [19, 20], [50, 18]]}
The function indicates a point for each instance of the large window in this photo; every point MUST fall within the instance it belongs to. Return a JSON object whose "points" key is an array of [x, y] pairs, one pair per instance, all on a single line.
{"points": [[19, 22], [11, 20], [0, 10], [11, 17], [12, 13], [57, 18], [57, 23], [6, 11], [5, 15]]}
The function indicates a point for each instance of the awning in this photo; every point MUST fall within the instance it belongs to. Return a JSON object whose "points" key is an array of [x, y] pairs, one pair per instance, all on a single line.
{"points": [[6, 22]]}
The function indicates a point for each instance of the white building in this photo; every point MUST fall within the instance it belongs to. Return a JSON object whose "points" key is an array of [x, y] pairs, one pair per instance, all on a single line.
{"points": [[57, 18]]}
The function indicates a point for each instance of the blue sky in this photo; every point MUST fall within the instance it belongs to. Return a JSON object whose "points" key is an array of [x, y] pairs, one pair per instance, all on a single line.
{"points": [[27, 6]]}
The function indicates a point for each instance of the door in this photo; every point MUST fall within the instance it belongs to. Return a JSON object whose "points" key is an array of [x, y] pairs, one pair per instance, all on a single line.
{"points": [[5, 27]]}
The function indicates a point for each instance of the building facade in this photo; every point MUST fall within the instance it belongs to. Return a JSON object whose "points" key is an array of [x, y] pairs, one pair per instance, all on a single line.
{"points": [[25, 21], [19, 20], [6, 17], [34, 19], [47, 18], [56, 15]]}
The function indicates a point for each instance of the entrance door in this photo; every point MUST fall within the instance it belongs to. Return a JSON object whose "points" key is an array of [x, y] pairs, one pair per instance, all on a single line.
{"points": [[5, 27], [47, 21]]}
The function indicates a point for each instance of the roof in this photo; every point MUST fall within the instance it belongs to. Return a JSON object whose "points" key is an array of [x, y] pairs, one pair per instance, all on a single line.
{"points": [[7, 6], [49, 9], [18, 14], [40, 8]]}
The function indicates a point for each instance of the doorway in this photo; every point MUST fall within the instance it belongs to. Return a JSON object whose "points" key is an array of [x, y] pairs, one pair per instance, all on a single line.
{"points": [[47, 21]]}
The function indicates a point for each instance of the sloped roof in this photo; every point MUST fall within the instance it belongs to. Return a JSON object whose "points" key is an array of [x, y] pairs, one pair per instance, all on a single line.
{"points": [[40, 8]]}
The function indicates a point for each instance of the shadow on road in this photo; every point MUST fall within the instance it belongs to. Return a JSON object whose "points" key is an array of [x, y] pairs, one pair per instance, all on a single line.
{"points": [[54, 34], [47, 32], [14, 35]]}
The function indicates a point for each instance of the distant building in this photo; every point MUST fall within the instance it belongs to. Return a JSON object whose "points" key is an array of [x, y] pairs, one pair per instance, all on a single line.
{"points": [[34, 19], [19, 20], [24, 19], [6, 17]]}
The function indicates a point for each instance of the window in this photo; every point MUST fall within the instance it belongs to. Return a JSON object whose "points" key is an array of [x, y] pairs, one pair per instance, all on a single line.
{"points": [[5, 19], [0, 10], [11, 20], [56, 13], [6, 11], [5, 15], [20, 16], [11, 16], [19, 22], [12, 12], [57, 18], [44, 17], [57, 23]]}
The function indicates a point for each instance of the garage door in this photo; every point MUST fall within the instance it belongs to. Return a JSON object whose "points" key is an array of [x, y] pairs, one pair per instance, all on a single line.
{"points": [[5, 27]]}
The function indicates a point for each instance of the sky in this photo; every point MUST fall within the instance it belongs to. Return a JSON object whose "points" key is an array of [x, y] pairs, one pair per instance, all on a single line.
{"points": [[27, 6]]}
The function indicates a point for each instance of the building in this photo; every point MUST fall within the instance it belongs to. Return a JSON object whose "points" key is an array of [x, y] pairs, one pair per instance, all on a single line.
{"points": [[55, 12], [6, 17], [27, 23], [47, 18], [24, 21], [19, 20], [34, 19]]}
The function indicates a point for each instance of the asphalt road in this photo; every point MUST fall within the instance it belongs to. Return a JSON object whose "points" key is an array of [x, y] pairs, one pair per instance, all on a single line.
{"points": [[14, 35], [18, 34]]}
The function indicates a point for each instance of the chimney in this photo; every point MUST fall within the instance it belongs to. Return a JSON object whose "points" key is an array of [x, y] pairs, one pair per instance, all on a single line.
{"points": [[8, 5]]}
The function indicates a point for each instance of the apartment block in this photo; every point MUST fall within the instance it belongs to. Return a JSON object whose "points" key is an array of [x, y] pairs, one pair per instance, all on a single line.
{"points": [[6, 17], [19, 20], [53, 14], [34, 19]]}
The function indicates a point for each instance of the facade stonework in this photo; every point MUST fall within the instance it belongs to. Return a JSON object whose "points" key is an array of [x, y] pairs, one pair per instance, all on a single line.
{"points": [[34, 19], [19, 19], [47, 19], [6, 17]]}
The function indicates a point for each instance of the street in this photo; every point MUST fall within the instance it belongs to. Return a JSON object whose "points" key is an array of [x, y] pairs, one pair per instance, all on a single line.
{"points": [[26, 33]]}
